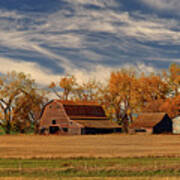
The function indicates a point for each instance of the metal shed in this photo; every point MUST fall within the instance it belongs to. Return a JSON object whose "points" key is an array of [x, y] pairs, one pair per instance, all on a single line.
{"points": [[176, 125]]}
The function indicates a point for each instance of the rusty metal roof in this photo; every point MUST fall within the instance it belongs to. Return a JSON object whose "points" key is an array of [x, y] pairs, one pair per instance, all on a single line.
{"points": [[147, 120], [85, 111], [82, 109]]}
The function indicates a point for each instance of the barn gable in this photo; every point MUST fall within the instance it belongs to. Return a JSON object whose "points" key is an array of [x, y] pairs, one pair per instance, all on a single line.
{"points": [[53, 115]]}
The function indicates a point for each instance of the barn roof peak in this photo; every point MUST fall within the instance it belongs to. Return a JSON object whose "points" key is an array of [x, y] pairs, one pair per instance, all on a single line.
{"points": [[78, 103]]}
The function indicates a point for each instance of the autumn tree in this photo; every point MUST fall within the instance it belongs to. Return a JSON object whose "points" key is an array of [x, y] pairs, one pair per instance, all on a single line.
{"points": [[120, 95], [28, 108], [171, 106], [152, 87], [72, 90], [13, 87], [174, 78], [87, 91], [67, 84], [153, 106], [157, 88]]}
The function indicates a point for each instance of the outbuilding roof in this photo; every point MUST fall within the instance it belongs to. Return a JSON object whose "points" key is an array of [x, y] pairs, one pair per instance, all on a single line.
{"points": [[147, 120]]}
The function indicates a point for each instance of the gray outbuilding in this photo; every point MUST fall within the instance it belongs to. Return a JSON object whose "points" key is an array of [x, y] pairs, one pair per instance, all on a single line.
{"points": [[176, 125]]}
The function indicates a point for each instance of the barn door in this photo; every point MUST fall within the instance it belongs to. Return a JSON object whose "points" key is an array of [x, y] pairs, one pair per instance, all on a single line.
{"points": [[54, 129]]}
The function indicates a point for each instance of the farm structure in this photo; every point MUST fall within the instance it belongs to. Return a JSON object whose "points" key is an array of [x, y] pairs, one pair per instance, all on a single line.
{"points": [[152, 123], [176, 125], [68, 117]]}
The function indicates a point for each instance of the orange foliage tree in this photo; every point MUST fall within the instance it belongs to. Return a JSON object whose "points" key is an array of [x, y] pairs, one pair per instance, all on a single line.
{"points": [[157, 89], [153, 88], [171, 106]]}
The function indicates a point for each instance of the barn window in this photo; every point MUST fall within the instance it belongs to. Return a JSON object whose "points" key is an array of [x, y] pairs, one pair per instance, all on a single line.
{"points": [[53, 121], [57, 106], [140, 130]]}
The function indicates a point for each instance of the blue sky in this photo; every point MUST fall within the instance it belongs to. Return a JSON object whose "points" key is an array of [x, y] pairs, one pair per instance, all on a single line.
{"points": [[87, 38]]}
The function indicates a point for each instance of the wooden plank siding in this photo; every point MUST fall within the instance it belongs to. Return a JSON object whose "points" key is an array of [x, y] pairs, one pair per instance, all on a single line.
{"points": [[53, 111]]}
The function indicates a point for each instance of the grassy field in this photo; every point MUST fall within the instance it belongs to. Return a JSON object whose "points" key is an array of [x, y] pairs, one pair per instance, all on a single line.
{"points": [[97, 157], [90, 167]]}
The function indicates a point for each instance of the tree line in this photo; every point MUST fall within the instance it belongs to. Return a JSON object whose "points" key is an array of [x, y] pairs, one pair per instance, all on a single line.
{"points": [[126, 92]]}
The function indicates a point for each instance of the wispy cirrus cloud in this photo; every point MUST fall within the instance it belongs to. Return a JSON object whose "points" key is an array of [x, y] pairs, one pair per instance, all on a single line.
{"points": [[87, 37], [98, 3]]}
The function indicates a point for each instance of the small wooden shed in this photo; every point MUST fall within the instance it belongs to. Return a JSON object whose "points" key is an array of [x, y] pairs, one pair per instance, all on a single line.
{"points": [[68, 117], [152, 123]]}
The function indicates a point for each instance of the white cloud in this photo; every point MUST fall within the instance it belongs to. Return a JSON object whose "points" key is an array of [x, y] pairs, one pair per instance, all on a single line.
{"points": [[43, 76], [164, 4], [102, 73]]}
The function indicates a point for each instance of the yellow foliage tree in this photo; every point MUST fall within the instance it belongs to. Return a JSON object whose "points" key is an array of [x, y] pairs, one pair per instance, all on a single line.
{"points": [[174, 78], [67, 84], [13, 87], [120, 96]]}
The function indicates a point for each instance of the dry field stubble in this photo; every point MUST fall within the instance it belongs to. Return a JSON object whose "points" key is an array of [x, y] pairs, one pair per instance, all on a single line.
{"points": [[115, 145]]}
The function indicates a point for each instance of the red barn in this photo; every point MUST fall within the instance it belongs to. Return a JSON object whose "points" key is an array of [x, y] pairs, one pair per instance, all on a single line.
{"points": [[68, 117]]}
